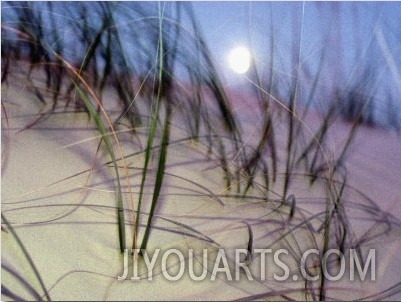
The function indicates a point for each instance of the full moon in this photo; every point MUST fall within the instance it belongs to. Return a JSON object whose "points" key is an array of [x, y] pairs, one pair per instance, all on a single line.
{"points": [[239, 59]]}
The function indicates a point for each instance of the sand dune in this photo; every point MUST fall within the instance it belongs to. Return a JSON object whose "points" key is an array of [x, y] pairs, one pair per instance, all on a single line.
{"points": [[58, 196]]}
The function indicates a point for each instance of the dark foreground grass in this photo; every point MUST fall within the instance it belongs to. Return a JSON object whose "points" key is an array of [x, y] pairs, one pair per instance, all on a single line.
{"points": [[166, 82]]}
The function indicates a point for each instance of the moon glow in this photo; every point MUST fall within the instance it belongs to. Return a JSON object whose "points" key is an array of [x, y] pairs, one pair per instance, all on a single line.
{"points": [[239, 60]]}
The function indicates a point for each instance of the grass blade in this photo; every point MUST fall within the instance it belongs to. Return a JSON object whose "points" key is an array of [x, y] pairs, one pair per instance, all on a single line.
{"points": [[102, 129], [28, 257], [151, 135]]}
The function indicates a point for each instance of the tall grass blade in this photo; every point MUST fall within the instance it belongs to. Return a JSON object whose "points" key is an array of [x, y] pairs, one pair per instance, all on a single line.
{"points": [[159, 179], [28, 257], [151, 135], [105, 136]]}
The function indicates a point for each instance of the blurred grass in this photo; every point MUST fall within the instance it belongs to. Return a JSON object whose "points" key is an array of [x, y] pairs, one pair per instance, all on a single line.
{"points": [[164, 76]]}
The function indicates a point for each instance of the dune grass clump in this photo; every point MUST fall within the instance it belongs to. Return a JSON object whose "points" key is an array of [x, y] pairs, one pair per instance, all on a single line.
{"points": [[145, 78]]}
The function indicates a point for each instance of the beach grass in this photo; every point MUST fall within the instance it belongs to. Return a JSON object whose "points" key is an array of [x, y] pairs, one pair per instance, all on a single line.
{"points": [[153, 99]]}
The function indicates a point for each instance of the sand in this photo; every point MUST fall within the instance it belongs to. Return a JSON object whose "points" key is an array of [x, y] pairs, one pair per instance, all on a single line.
{"points": [[59, 198]]}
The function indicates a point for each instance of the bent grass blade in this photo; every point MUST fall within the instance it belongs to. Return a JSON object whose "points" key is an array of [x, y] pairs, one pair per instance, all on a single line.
{"points": [[102, 129]]}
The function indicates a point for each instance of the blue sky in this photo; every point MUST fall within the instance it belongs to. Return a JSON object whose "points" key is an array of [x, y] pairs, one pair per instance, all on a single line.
{"points": [[355, 43], [358, 43], [351, 25]]}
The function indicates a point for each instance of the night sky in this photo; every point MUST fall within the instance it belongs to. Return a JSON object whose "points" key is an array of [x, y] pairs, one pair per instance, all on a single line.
{"points": [[343, 44], [355, 43]]}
